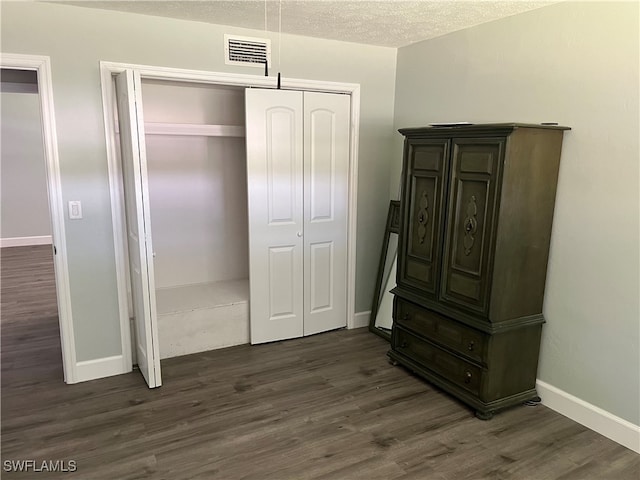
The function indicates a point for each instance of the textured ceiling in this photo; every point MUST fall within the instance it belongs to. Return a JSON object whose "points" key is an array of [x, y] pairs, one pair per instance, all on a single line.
{"points": [[389, 23]]}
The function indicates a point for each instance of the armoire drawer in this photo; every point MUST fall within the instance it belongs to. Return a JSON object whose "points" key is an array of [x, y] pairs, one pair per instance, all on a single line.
{"points": [[459, 337], [454, 369]]}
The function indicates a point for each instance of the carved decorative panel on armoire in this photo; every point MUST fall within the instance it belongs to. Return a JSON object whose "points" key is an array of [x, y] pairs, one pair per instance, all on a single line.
{"points": [[476, 213]]}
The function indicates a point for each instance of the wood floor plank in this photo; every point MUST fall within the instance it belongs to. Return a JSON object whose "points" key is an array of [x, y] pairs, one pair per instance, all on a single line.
{"points": [[324, 407]]}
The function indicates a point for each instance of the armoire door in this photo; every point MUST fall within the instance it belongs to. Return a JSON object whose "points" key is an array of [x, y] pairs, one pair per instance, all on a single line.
{"points": [[297, 171], [138, 225], [427, 166], [475, 174]]}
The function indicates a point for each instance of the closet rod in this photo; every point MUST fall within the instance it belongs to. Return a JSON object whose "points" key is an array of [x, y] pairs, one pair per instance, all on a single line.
{"points": [[191, 129]]}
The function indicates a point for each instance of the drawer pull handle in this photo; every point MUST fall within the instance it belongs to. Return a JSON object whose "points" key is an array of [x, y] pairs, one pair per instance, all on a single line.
{"points": [[404, 344], [471, 346], [467, 376], [406, 317]]}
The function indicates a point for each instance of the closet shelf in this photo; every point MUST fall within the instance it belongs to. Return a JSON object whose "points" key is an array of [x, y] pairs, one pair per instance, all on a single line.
{"points": [[192, 129]]}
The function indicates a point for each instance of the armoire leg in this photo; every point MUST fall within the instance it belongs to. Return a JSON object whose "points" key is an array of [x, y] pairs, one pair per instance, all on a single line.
{"points": [[484, 415]]}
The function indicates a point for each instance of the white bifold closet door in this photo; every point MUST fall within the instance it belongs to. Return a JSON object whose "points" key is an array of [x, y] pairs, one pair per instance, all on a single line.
{"points": [[297, 171], [138, 224]]}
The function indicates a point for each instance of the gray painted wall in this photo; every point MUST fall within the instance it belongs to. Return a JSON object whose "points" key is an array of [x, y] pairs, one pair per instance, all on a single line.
{"points": [[576, 64], [76, 39], [197, 186], [23, 192]]}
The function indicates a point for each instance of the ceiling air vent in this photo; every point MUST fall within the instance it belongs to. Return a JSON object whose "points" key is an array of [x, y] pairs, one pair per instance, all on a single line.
{"points": [[247, 51]]}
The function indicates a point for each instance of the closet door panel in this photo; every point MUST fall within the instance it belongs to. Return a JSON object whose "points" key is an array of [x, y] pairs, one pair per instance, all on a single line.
{"points": [[321, 261], [275, 199], [281, 265], [138, 225], [326, 173], [281, 165]]}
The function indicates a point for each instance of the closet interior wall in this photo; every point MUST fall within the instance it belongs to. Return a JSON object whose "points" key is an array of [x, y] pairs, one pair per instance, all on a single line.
{"points": [[196, 165]]}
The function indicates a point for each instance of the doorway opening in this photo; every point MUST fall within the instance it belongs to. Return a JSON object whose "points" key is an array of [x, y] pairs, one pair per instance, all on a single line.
{"points": [[31, 342], [35, 70]]}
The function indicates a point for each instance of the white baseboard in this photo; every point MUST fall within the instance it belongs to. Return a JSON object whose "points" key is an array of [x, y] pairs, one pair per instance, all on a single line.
{"points": [[617, 429], [361, 319], [25, 241], [99, 368]]}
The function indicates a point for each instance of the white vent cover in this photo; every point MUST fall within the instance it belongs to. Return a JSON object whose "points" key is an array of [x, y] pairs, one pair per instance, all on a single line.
{"points": [[247, 51]]}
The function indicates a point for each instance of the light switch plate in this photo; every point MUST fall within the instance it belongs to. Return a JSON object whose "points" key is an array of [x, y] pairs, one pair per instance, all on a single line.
{"points": [[75, 210]]}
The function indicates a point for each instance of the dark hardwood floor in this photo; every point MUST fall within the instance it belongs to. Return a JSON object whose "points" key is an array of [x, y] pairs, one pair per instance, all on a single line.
{"points": [[324, 407]]}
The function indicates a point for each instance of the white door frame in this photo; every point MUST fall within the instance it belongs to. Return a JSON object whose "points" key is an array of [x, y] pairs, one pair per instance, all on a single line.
{"points": [[42, 66], [108, 69]]}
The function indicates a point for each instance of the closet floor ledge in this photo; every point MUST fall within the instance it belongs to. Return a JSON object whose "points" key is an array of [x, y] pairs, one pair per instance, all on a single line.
{"points": [[185, 298]]}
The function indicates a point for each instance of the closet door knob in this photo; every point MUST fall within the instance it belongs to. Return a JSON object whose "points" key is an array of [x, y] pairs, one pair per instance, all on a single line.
{"points": [[299, 234], [153, 254]]}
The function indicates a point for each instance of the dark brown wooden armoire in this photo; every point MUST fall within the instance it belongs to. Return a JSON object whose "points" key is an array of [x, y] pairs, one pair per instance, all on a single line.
{"points": [[476, 212]]}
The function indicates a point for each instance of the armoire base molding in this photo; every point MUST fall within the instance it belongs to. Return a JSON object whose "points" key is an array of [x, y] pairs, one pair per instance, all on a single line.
{"points": [[595, 418]]}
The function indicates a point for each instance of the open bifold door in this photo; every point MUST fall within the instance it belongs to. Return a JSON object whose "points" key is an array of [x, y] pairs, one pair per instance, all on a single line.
{"points": [[138, 225]]}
